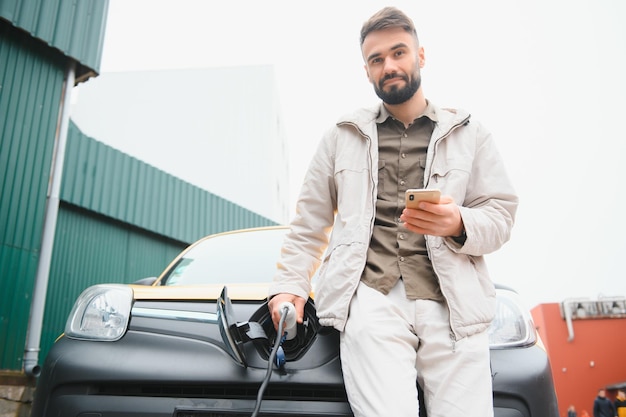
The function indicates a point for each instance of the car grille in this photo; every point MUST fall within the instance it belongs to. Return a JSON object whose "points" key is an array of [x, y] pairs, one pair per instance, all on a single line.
{"points": [[222, 391], [197, 413], [183, 413]]}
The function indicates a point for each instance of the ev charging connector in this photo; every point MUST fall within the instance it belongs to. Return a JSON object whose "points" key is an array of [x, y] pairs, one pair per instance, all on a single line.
{"points": [[291, 328]]}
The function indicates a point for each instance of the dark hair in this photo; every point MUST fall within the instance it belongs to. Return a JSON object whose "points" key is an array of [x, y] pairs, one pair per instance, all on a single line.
{"points": [[386, 18]]}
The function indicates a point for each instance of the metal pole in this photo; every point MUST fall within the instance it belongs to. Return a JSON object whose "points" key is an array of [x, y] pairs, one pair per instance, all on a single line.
{"points": [[33, 338]]}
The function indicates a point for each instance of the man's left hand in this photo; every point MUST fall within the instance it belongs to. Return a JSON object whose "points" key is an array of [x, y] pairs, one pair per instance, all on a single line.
{"points": [[437, 219]]}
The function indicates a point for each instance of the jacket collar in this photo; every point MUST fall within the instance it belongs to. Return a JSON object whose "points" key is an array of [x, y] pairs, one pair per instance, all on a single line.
{"points": [[364, 119]]}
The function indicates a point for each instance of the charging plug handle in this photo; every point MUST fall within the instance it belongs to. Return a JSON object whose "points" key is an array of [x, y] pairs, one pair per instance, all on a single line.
{"points": [[289, 310]]}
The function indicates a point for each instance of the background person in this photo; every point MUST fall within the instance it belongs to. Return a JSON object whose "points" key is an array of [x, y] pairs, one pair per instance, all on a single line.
{"points": [[602, 406], [408, 289], [620, 404]]}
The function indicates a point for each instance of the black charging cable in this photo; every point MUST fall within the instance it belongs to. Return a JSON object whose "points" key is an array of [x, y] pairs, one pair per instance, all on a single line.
{"points": [[270, 362]]}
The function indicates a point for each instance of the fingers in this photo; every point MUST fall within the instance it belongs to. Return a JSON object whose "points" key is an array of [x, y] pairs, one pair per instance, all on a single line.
{"points": [[276, 301], [299, 303], [442, 208], [443, 219], [446, 199]]}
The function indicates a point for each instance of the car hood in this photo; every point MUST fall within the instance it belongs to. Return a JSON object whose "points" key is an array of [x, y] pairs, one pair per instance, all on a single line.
{"points": [[255, 292]]}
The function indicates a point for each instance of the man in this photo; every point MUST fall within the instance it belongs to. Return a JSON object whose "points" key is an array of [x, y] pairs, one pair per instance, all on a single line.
{"points": [[407, 288], [602, 406], [620, 404]]}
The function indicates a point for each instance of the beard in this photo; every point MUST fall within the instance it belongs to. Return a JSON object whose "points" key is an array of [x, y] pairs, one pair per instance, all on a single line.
{"points": [[398, 95]]}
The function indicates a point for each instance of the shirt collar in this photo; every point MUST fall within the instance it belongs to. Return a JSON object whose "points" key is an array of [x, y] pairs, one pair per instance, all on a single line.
{"points": [[429, 111]]}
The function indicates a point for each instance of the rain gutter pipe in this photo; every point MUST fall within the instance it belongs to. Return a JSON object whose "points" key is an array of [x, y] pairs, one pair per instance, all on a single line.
{"points": [[38, 303]]}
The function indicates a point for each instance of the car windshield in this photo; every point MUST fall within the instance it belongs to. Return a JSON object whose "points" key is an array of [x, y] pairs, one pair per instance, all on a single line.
{"points": [[242, 257]]}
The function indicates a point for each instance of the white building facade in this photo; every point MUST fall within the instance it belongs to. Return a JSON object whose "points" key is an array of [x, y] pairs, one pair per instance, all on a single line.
{"points": [[217, 128]]}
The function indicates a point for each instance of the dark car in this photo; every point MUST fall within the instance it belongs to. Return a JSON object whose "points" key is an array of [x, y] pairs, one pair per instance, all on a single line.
{"points": [[198, 342]]}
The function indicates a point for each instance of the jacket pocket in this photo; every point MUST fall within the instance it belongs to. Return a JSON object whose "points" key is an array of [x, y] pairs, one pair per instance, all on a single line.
{"points": [[468, 289], [450, 166], [452, 176], [339, 275]]}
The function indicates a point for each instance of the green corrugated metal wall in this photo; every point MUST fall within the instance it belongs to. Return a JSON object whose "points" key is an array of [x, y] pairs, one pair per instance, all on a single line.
{"points": [[107, 181], [76, 28], [38, 39], [31, 81]]}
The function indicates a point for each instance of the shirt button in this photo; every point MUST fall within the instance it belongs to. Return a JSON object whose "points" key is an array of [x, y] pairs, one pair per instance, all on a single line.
{"points": [[405, 135], [402, 182], [402, 259], [401, 236], [403, 155]]}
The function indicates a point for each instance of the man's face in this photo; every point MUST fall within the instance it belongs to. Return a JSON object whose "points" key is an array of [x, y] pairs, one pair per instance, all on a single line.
{"points": [[392, 62]]}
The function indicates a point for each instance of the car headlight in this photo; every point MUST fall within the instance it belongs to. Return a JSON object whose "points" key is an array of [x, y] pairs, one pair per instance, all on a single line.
{"points": [[512, 326], [100, 313]]}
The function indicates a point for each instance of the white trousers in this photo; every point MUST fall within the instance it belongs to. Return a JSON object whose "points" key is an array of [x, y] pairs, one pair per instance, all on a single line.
{"points": [[390, 342]]}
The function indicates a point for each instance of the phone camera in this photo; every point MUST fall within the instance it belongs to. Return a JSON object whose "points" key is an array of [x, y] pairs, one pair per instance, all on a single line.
{"points": [[411, 197]]}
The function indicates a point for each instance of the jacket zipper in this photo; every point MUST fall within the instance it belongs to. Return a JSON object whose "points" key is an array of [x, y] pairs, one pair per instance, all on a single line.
{"points": [[445, 135], [463, 122]]}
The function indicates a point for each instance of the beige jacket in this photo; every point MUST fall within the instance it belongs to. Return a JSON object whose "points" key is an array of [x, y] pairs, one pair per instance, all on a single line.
{"points": [[336, 209]]}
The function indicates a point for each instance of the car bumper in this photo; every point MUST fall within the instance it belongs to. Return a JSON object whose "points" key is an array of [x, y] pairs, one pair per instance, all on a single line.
{"points": [[522, 383], [140, 375]]}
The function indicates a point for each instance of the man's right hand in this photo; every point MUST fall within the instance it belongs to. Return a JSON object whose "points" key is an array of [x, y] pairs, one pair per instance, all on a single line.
{"points": [[278, 299]]}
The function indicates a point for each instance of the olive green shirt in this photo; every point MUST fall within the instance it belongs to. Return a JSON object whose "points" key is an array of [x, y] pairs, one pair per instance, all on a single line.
{"points": [[395, 252]]}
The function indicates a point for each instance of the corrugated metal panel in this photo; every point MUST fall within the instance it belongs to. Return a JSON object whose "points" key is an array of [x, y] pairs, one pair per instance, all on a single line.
{"points": [[31, 81], [76, 28], [107, 181], [90, 249], [18, 268]]}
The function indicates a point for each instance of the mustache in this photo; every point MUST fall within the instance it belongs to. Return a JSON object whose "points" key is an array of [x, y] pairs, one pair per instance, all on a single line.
{"points": [[391, 77]]}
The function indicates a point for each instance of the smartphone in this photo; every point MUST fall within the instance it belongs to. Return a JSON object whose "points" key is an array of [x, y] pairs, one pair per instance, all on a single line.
{"points": [[415, 195]]}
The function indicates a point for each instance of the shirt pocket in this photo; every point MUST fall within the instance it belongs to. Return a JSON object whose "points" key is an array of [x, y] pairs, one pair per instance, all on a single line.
{"points": [[417, 176]]}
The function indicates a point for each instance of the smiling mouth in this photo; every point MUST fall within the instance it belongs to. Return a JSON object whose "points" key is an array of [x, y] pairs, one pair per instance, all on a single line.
{"points": [[391, 80], [391, 86]]}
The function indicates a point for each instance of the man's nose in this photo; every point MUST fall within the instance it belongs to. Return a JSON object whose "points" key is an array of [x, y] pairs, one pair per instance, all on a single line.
{"points": [[390, 67]]}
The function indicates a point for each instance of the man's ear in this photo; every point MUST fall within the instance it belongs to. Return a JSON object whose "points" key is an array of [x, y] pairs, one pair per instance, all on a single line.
{"points": [[421, 57]]}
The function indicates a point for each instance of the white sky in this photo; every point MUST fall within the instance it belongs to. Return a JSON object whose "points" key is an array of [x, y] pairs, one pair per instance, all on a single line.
{"points": [[546, 77]]}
